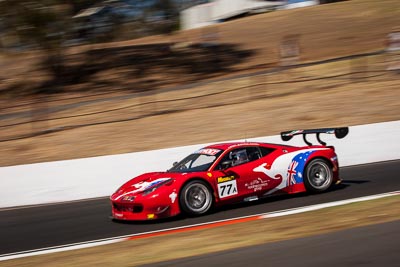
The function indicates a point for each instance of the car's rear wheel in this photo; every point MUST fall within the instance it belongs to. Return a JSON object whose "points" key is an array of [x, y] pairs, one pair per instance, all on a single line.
{"points": [[196, 198], [318, 176]]}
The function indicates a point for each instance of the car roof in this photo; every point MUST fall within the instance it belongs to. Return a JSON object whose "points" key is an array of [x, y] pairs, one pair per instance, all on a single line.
{"points": [[225, 146]]}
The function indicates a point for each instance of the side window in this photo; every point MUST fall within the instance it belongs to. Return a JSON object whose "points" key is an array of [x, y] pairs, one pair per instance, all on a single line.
{"points": [[265, 151], [254, 153], [233, 158], [240, 156]]}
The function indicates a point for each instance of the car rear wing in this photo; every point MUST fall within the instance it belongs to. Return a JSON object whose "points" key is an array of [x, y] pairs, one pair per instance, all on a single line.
{"points": [[338, 132]]}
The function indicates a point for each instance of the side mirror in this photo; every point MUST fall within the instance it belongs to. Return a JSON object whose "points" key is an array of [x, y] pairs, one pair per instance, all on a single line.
{"points": [[226, 164]]}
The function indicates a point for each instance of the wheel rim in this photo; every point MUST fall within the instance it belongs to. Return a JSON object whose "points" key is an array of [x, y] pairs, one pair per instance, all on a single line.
{"points": [[319, 175], [198, 198]]}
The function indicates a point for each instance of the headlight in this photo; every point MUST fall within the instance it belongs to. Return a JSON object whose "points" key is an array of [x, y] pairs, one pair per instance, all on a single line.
{"points": [[155, 187]]}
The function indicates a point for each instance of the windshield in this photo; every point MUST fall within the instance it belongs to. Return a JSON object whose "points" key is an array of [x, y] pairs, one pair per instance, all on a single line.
{"points": [[198, 161]]}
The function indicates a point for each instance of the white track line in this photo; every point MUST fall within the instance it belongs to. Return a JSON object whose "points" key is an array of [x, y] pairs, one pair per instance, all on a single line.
{"points": [[327, 205], [111, 240]]}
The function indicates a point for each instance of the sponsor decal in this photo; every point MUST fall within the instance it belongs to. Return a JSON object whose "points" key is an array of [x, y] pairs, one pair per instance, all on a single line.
{"points": [[140, 187], [208, 151], [257, 184], [239, 145], [145, 185], [209, 174], [227, 186], [263, 168], [252, 198], [150, 216], [291, 173], [288, 168], [296, 168], [173, 196], [295, 132], [225, 179], [128, 198]]}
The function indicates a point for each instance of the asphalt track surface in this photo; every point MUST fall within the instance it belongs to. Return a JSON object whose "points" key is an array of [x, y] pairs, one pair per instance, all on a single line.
{"points": [[24, 229], [369, 246]]}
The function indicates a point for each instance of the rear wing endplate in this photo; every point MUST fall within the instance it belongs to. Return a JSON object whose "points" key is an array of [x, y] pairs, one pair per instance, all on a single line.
{"points": [[338, 132]]}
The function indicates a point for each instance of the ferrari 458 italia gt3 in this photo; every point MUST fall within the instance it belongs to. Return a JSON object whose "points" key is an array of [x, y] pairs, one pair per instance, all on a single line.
{"points": [[225, 173]]}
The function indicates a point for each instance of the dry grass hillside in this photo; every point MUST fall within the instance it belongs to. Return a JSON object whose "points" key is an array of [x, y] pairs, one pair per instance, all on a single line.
{"points": [[131, 96]]}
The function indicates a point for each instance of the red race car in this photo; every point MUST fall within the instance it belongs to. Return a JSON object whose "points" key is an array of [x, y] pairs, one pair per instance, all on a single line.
{"points": [[225, 173]]}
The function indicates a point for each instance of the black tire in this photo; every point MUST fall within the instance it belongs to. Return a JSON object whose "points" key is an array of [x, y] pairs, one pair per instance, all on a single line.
{"points": [[318, 176], [196, 198]]}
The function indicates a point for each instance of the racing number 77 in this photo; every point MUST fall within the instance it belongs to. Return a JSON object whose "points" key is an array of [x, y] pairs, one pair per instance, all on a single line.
{"points": [[223, 187], [227, 189]]}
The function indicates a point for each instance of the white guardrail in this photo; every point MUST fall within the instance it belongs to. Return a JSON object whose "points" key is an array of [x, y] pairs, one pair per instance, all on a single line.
{"points": [[85, 178]]}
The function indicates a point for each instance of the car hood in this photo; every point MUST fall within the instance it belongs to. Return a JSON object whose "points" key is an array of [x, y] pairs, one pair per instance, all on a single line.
{"points": [[143, 182]]}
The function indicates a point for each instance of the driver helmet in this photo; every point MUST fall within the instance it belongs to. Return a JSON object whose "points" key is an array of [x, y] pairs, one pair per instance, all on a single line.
{"points": [[239, 157]]}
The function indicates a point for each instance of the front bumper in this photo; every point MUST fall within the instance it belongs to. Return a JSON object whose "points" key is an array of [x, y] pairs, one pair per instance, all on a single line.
{"points": [[137, 212], [141, 212]]}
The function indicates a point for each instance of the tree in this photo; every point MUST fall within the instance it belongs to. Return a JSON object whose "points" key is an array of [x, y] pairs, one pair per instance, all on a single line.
{"points": [[44, 26], [166, 16], [40, 25]]}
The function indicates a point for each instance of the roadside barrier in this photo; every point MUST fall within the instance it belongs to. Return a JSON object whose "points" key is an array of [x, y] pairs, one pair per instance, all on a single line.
{"points": [[86, 178]]}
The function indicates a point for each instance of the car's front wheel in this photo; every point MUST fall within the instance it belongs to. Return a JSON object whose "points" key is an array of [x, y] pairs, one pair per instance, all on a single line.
{"points": [[318, 176], [196, 198]]}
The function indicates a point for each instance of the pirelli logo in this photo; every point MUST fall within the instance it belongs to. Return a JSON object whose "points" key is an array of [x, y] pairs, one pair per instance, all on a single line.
{"points": [[225, 179]]}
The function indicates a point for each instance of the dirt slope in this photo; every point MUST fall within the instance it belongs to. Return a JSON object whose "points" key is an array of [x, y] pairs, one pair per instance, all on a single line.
{"points": [[317, 96]]}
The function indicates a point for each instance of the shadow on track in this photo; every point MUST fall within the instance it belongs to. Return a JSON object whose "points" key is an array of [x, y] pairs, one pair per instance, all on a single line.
{"points": [[240, 205]]}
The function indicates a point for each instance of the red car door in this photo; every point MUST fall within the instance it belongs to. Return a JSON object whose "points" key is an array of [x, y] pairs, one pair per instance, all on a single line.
{"points": [[238, 180]]}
